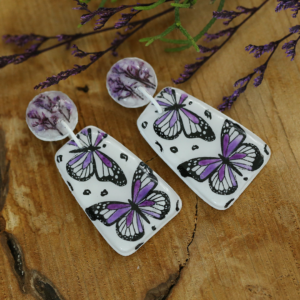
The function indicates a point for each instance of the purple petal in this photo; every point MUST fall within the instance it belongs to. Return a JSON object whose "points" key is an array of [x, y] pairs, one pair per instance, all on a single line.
{"points": [[104, 159], [84, 131], [72, 143], [168, 90]]}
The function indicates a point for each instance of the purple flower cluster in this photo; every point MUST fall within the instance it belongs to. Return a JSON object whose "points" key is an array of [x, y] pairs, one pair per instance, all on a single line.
{"points": [[43, 122], [290, 48], [190, 70], [260, 50], [23, 39], [230, 15], [55, 79], [294, 5], [213, 36], [126, 18]]}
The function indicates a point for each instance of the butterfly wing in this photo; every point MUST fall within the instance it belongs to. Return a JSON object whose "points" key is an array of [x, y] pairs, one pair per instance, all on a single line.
{"points": [[247, 156], [129, 225], [223, 181], [155, 205], [232, 136], [143, 182], [194, 126], [106, 169], [81, 167]]}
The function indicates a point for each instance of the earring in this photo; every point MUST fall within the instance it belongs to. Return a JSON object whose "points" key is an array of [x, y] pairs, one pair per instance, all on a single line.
{"points": [[126, 200]]}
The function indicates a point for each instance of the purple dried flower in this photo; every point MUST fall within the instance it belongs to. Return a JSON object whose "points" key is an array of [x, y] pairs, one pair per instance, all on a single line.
{"points": [[190, 70], [294, 5], [126, 18], [64, 37], [290, 48], [214, 36], [117, 41], [260, 50], [295, 29], [242, 81], [55, 79], [261, 71], [230, 15], [23, 39], [78, 53], [228, 101], [122, 90], [206, 50]]}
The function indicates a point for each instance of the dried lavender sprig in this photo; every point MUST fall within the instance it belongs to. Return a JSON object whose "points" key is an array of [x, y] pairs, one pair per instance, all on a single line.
{"points": [[230, 15], [94, 56], [260, 71], [105, 13], [294, 5], [63, 39], [191, 69]]}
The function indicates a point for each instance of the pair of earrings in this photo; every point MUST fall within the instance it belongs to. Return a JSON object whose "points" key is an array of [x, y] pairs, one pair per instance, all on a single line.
{"points": [[126, 200]]}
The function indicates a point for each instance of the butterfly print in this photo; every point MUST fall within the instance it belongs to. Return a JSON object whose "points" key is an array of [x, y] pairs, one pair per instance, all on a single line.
{"points": [[130, 216], [177, 118], [221, 171], [89, 160]]}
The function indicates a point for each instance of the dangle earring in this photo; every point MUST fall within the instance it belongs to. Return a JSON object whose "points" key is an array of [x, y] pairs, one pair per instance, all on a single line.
{"points": [[213, 154], [126, 200]]}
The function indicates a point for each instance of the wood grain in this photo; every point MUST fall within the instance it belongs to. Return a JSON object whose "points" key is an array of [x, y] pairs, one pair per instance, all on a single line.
{"points": [[250, 251]]}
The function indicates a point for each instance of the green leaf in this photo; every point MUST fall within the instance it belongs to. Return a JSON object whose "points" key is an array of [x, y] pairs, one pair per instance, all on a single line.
{"points": [[200, 34], [159, 2], [150, 40], [84, 1], [189, 37], [102, 3], [172, 41], [181, 5]]}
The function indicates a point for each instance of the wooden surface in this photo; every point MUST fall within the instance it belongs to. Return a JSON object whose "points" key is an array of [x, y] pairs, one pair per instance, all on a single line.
{"points": [[250, 251]]}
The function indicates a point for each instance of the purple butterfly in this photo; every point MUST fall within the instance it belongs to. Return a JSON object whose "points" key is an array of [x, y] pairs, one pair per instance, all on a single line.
{"points": [[221, 170], [129, 216], [178, 118], [89, 160]]}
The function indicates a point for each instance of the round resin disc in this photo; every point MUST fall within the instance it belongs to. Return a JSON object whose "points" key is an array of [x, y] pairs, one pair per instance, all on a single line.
{"points": [[45, 113], [125, 76]]}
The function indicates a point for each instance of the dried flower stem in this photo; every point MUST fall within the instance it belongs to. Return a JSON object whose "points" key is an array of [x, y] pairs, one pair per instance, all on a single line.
{"points": [[191, 69]]}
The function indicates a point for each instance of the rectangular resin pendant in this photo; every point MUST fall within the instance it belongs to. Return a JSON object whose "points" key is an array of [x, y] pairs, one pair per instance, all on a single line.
{"points": [[126, 200], [214, 155]]}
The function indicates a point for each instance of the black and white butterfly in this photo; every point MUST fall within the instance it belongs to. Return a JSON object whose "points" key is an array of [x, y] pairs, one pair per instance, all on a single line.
{"points": [[129, 217], [236, 156], [178, 118], [89, 160]]}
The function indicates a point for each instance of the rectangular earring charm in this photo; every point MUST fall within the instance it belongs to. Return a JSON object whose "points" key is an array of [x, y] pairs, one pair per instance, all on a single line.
{"points": [[126, 200], [214, 155]]}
